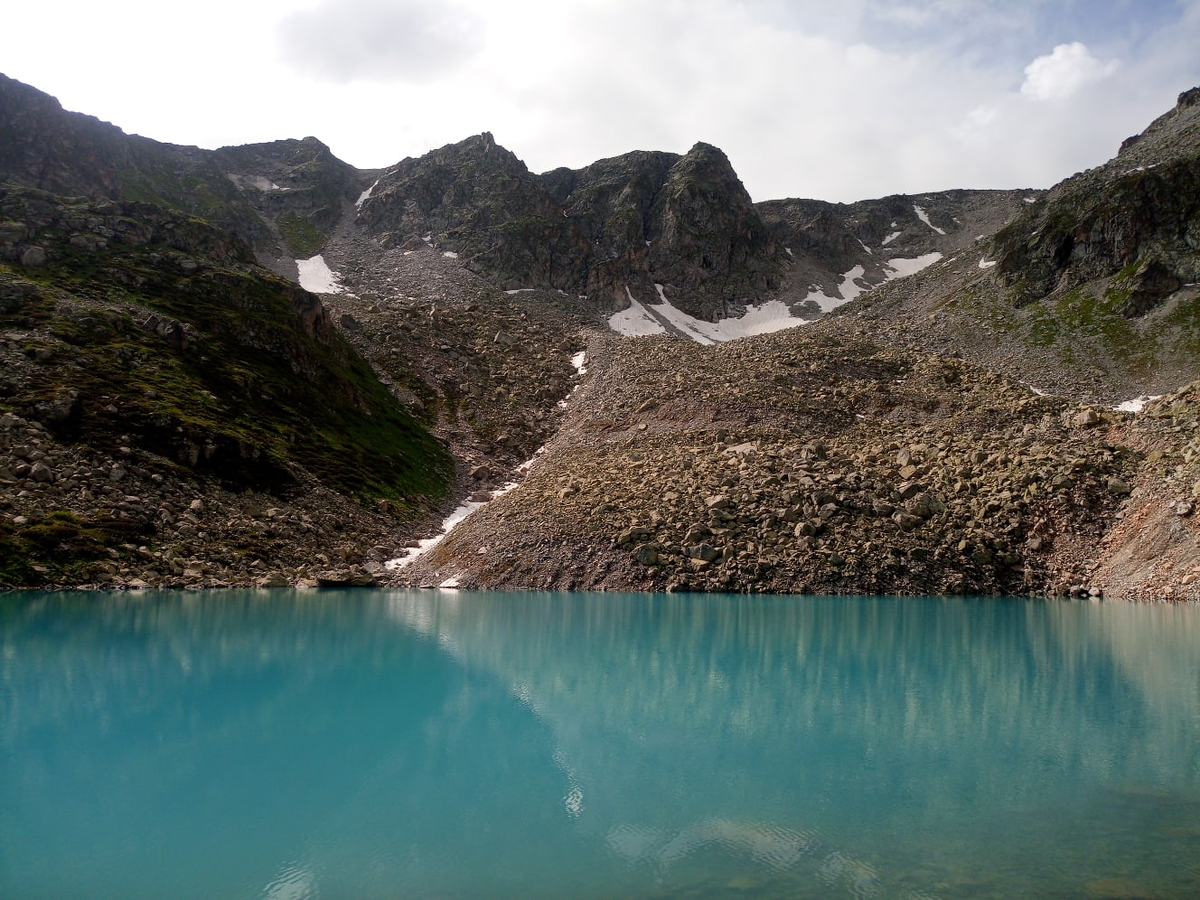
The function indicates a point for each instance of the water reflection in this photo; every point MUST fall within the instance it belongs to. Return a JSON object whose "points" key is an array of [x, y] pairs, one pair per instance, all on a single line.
{"points": [[432, 743]]}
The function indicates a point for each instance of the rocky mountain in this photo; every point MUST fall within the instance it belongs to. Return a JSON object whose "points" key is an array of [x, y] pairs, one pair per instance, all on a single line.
{"points": [[633, 221], [145, 354], [280, 198], [172, 411], [1093, 286]]}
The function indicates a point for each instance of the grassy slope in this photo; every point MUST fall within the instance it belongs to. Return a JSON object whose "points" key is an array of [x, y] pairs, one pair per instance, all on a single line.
{"points": [[263, 386]]}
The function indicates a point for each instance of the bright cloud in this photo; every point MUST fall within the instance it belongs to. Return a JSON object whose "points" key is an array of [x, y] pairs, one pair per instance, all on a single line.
{"points": [[1063, 72], [385, 40]]}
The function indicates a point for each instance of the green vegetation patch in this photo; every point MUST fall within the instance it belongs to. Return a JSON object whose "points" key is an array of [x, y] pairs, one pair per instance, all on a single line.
{"points": [[227, 371], [59, 546], [303, 239]]}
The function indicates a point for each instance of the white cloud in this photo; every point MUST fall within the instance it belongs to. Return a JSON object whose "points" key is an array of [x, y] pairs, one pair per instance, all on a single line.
{"points": [[1067, 69], [382, 40]]}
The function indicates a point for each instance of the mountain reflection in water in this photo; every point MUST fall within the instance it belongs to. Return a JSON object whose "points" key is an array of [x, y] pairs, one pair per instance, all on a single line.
{"points": [[437, 742]]}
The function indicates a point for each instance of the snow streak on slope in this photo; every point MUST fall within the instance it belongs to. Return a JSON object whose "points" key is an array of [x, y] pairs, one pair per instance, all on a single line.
{"points": [[365, 195], [317, 277], [924, 217]]}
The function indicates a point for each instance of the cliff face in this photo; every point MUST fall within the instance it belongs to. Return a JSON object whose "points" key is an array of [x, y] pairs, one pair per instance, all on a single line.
{"points": [[1134, 220]]}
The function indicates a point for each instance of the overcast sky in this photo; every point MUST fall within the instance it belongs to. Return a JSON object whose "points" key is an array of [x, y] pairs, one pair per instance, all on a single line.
{"points": [[831, 99]]}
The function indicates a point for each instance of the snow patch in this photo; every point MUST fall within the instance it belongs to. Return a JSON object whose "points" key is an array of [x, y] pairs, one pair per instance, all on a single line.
{"points": [[788, 251], [665, 318], [1031, 199], [579, 361], [865, 247], [636, 321], [258, 182], [902, 268], [770, 316], [411, 554], [850, 288], [891, 237], [921, 214], [1137, 404], [774, 315], [449, 254], [364, 196], [317, 277], [985, 263]]}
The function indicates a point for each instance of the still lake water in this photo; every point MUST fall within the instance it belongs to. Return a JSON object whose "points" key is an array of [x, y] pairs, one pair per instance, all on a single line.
{"points": [[443, 744]]}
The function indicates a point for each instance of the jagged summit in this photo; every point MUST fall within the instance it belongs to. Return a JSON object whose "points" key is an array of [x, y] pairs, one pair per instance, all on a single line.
{"points": [[625, 223]]}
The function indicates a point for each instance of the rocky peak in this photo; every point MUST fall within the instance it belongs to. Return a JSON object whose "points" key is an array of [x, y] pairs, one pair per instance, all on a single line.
{"points": [[707, 241], [636, 220], [1182, 114], [1134, 221]]}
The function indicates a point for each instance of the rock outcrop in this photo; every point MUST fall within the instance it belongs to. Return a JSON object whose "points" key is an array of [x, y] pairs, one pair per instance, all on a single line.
{"points": [[1134, 222]]}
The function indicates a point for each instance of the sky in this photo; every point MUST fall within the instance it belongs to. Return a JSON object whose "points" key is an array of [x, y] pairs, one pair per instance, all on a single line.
{"points": [[837, 100]]}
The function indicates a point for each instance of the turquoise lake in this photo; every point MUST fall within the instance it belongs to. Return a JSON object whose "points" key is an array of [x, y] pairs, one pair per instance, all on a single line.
{"points": [[361, 744]]}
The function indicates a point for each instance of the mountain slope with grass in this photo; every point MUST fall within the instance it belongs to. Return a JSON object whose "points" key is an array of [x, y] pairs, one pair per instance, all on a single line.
{"points": [[1093, 289], [129, 330]]}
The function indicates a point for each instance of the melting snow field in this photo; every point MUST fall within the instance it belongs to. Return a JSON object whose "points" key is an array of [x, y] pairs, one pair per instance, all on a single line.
{"points": [[317, 277], [636, 321], [641, 319], [665, 318], [902, 268], [849, 289]]}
